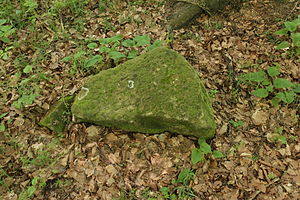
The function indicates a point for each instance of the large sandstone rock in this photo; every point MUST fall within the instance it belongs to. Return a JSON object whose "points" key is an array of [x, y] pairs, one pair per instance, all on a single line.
{"points": [[155, 92]]}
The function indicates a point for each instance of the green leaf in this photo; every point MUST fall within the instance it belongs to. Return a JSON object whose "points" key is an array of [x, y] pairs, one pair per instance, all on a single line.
{"points": [[204, 147], [283, 31], [92, 45], [185, 176], [290, 26], [273, 71], [281, 139], [128, 43], [92, 61], [104, 49], [142, 40], [2, 127], [165, 191], [116, 55], [282, 83], [217, 154], [156, 44], [132, 54], [287, 97], [275, 101], [236, 124], [27, 69], [261, 92], [116, 38], [296, 89], [79, 54], [34, 181], [197, 156], [3, 21], [254, 76], [3, 115], [296, 38], [30, 191], [283, 45], [270, 88], [67, 59]]}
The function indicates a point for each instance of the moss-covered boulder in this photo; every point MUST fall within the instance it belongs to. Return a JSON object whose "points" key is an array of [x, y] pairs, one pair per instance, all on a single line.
{"points": [[58, 116], [155, 92]]}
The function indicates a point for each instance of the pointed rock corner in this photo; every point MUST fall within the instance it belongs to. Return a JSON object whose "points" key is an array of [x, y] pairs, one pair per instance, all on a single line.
{"points": [[152, 93]]}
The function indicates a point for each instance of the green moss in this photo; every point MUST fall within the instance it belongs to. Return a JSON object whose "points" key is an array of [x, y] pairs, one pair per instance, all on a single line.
{"points": [[58, 116], [155, 92]]}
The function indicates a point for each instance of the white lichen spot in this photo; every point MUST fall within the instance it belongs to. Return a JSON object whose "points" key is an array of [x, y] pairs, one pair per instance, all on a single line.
{"points": [[84, 91], [130, 84]]}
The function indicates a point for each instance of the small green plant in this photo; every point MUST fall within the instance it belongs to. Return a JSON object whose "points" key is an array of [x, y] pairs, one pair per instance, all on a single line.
{"points": [[236, 124], [6, 31], [290, 30], [198, 154], [181, 189], [267, 84], [115, 48], [28, 192], [279, 136]]}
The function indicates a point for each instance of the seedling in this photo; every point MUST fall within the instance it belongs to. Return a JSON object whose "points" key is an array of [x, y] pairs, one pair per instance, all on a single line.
{"points": [[290, 30], [198, 154], [236, 124], [267, 84]]}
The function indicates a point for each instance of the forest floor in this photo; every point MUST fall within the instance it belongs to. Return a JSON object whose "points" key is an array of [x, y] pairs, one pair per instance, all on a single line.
{"points": [[50, 47]]}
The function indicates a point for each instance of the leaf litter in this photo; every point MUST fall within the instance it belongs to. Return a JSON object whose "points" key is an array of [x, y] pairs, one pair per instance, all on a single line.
{"points": [[90, 162]]}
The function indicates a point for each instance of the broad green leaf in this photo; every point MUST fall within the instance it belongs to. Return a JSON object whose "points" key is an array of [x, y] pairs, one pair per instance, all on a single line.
{"points": [[142, 40], [2, 127], [261, 92], [283, 31], [92, 61], [273, 71], [128, 43], [197, 156], [295, 37], [132, 54], [290, 26], [266, 82], [27, 69], [297, 21], [282, 83], [116, 55], [287, 97], [217, 154], [296, 89], [204, 147], [254, 76], [104, 49], [92, 45], [116, 38], [283, 45]]}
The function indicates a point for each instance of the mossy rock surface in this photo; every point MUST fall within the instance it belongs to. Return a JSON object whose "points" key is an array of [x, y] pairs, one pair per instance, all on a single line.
{"points": [[152, 93], [58, 116]]}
